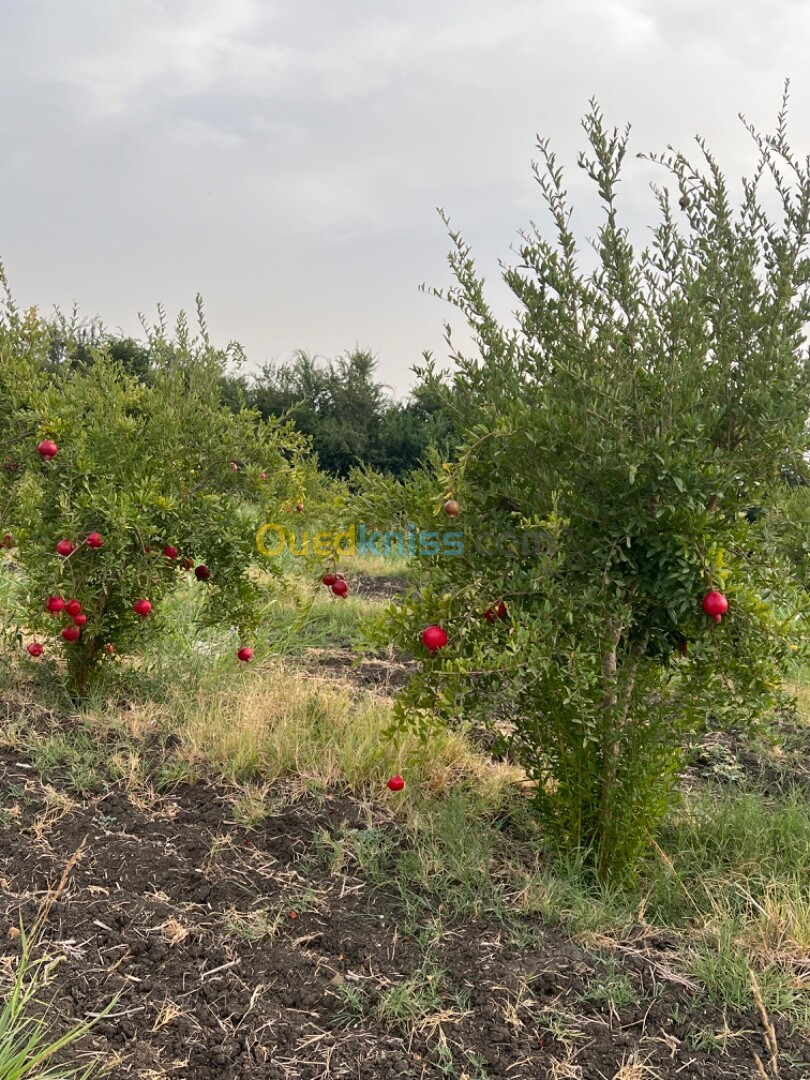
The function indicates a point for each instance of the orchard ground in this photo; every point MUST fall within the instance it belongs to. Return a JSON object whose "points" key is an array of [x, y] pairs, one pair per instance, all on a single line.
{"points": [[267, 908]]}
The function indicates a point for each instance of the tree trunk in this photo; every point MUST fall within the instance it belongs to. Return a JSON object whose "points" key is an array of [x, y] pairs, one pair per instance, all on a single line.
{"points": [[610, 743], [619, 684]]}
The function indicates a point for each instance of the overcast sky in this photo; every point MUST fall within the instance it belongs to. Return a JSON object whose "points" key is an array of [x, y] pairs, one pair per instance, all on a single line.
{"points": [[286, 159]]}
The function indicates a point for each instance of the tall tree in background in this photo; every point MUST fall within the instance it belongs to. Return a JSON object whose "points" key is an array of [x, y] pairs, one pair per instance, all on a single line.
{"points": [[349, 416]]}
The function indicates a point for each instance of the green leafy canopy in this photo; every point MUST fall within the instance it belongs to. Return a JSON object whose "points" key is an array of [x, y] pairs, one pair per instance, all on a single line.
{"points": [[633, 413]]}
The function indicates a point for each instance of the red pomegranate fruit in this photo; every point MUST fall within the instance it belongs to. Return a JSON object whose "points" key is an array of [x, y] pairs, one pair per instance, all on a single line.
{"points": [[434, 637], [47, 449], [715, 605]]}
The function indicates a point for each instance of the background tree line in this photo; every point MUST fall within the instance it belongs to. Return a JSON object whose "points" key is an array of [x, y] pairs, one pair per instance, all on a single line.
{"points": [[350, 417]]}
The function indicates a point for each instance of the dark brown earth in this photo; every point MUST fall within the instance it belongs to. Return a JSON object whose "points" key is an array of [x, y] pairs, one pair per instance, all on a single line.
{"points": [[384, 675], [238, 953], [382, 587], [728, 757]]}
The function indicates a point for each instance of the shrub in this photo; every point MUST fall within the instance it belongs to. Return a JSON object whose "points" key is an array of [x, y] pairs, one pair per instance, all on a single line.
{"points": [[144, 466], [611, 444]]}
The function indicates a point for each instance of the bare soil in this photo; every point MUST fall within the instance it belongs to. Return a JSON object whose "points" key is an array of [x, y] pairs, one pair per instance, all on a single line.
{"points": [[239, 954], [379, 587], [386, 676]]}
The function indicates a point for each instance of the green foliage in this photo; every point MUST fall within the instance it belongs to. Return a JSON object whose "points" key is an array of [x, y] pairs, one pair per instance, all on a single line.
{"points": [[788, 515], [145, 464], [75, 345], [609, 447], [347, 414]]}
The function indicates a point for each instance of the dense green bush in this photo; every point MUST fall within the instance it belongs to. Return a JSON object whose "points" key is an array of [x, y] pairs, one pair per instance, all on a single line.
{"points": [[145, 465], [612, 442], [348, 415]]}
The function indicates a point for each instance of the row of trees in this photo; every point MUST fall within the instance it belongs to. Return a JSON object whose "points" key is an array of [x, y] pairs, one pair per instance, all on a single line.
{"points": [[350, 417]]}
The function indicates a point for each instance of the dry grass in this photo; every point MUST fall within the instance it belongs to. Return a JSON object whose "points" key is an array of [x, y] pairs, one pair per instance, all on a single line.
{"points": [[779, 927], [769, 1037], [801, 692], [322, 732], [375, 565], [635, 1069]]}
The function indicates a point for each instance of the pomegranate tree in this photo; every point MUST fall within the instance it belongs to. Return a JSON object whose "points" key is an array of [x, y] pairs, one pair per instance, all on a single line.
{"points": [[607, 448], [119, 484]]}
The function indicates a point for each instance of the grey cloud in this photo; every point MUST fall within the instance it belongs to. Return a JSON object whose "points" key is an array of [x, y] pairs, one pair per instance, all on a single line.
{"points": [[287, 159]]}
